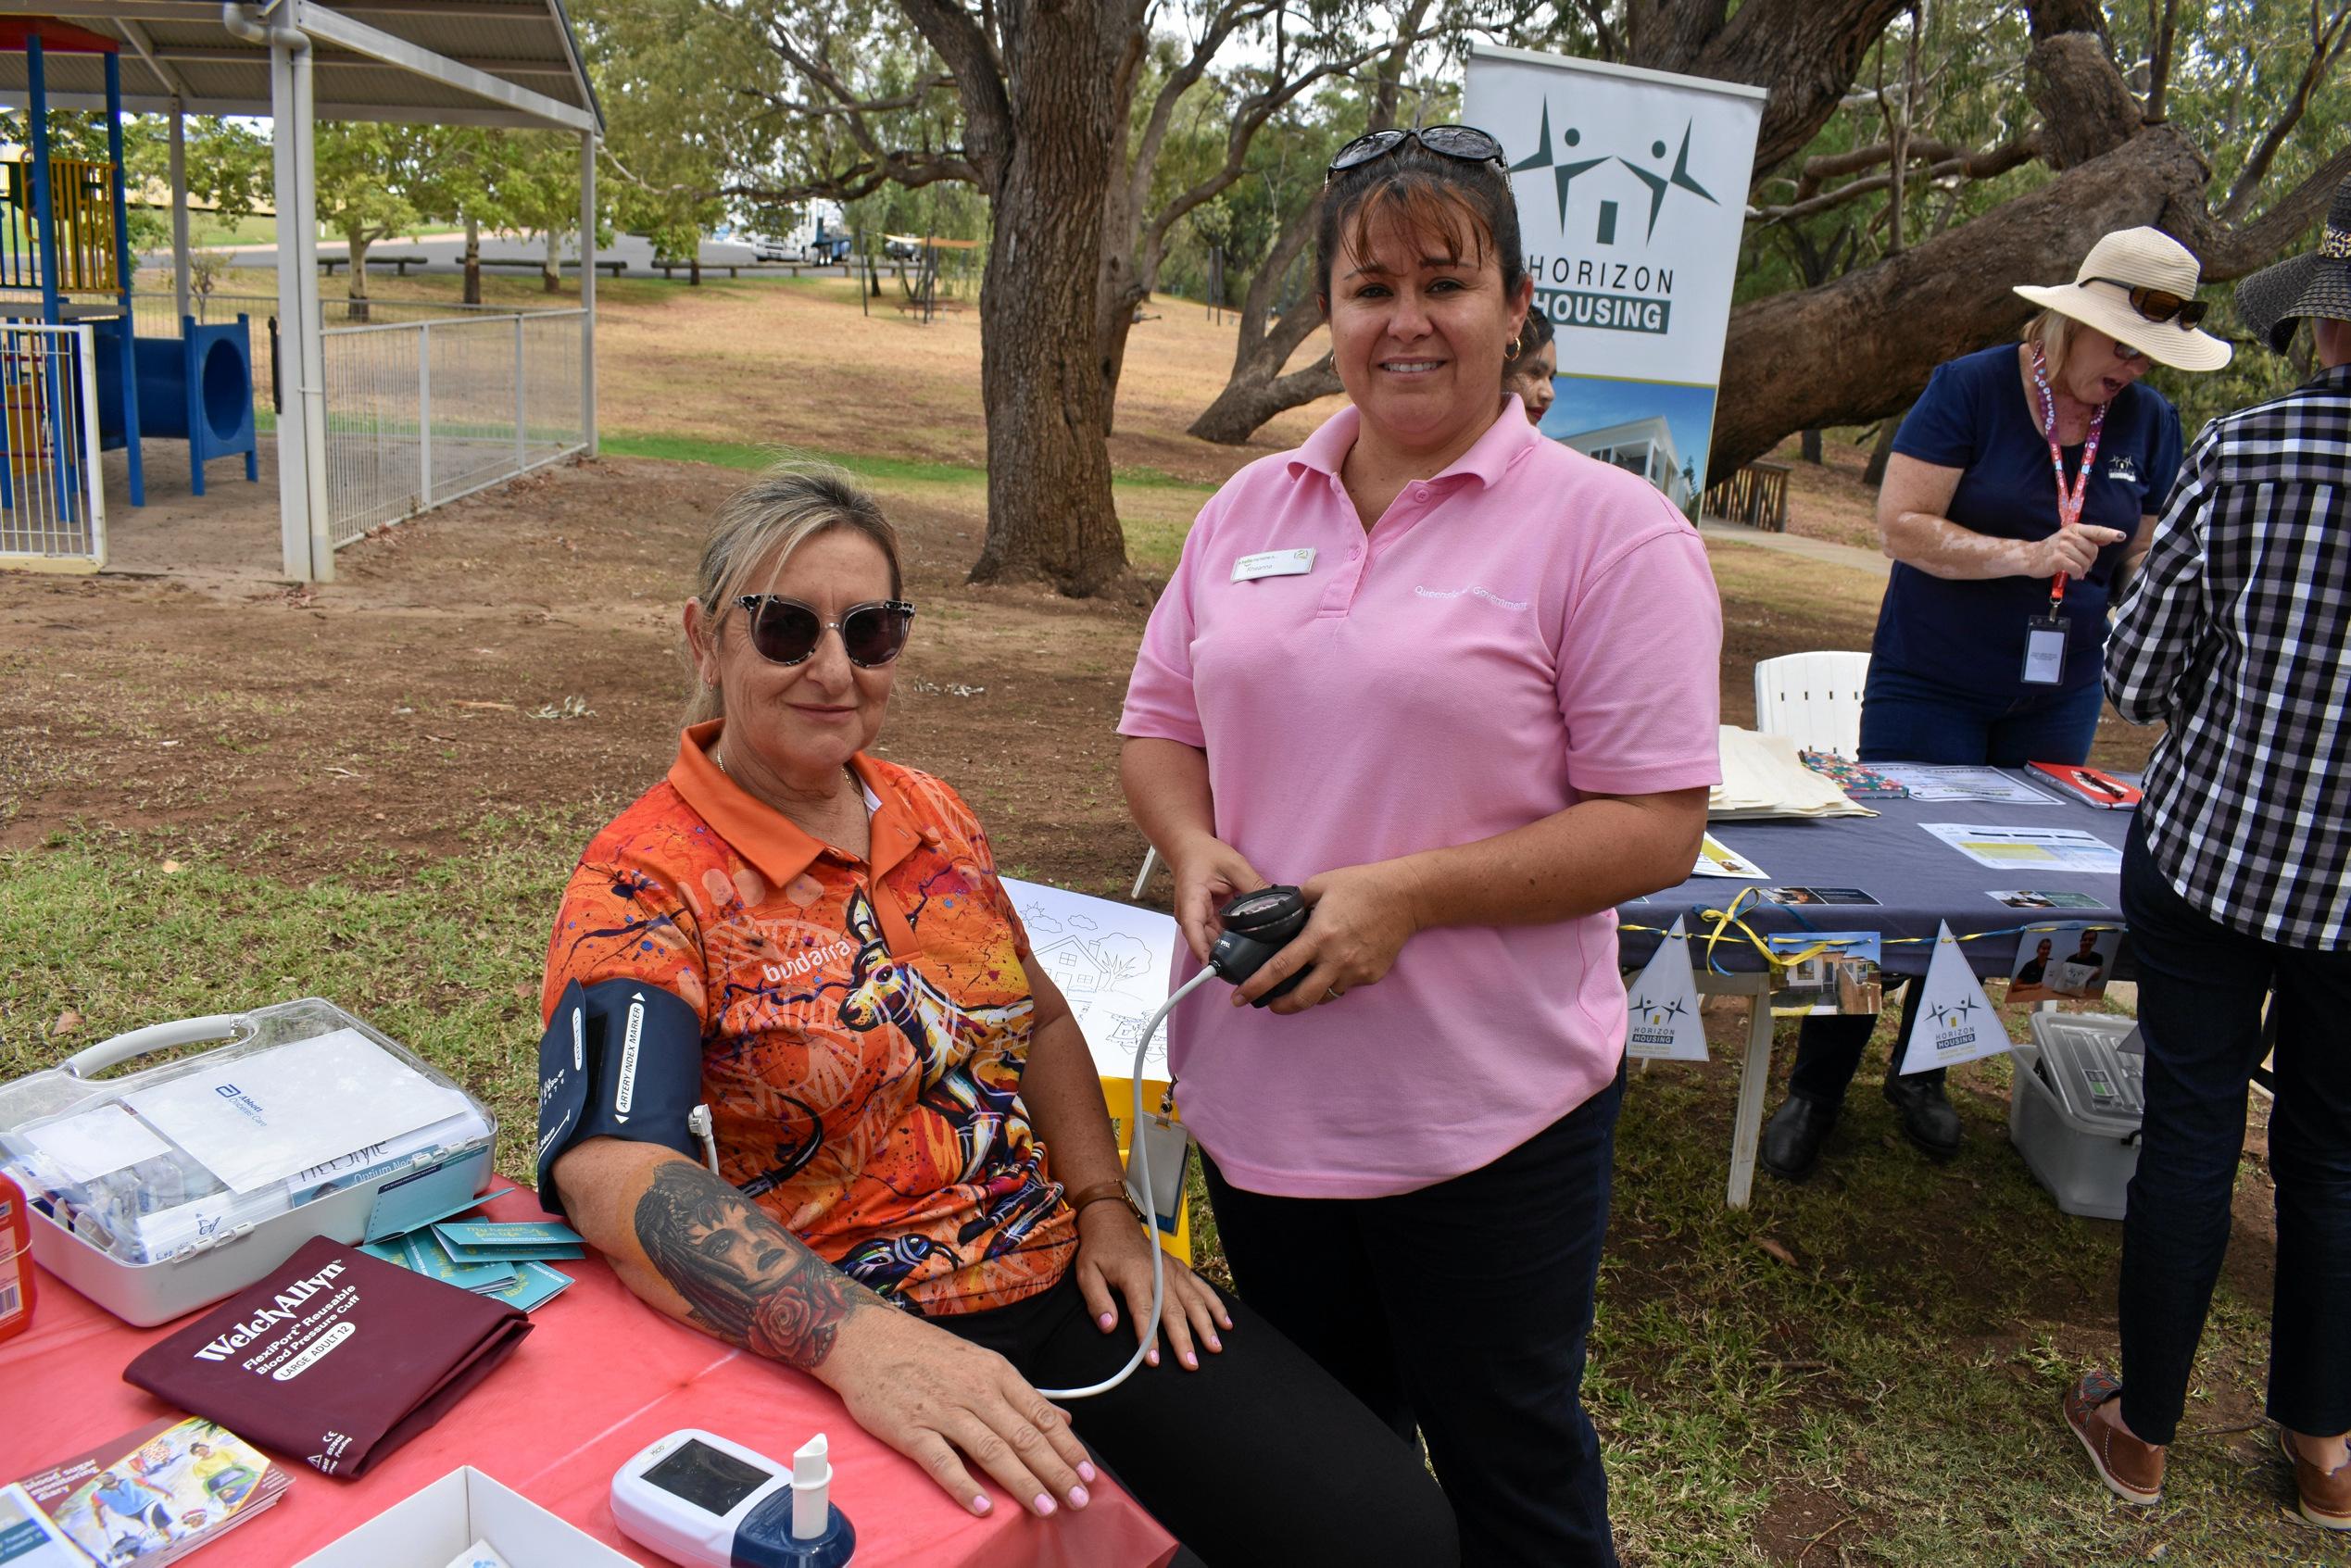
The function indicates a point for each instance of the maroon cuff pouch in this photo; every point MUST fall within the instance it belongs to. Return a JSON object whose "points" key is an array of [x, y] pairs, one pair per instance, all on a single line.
{"points": [[335, 1359]]}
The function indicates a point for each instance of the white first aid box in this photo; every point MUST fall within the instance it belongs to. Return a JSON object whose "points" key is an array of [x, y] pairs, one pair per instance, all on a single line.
{"points": [[361, 1196], [428, 1529]]}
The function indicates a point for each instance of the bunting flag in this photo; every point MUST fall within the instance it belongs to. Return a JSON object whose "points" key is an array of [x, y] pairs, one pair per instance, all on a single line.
{"points": [[1662, 1001], [1955, 1020]]}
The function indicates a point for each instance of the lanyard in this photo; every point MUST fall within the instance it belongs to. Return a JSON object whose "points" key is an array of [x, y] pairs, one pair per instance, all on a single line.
{"points": [[2070, 500]]}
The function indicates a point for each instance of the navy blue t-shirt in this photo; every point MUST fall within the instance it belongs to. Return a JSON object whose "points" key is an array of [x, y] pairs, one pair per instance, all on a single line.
{"points": [[1975, 416]]}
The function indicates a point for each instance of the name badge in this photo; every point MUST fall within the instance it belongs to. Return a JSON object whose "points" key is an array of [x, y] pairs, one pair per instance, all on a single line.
{"points": [[1274, 563], [2044, 663]]}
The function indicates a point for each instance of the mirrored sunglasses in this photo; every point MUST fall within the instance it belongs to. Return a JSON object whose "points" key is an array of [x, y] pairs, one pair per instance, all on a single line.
{"points": [[2154, 304], [1464, 143], [786, 632]]}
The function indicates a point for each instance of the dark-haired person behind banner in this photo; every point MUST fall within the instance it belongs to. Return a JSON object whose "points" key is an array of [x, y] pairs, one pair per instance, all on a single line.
{"points": [[2232, 888], [1460, 683], [1530, 365], [2023, 486]]}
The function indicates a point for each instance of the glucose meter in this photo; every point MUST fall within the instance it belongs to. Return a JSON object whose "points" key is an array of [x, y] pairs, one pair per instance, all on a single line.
{"points": [[705, 1503]]}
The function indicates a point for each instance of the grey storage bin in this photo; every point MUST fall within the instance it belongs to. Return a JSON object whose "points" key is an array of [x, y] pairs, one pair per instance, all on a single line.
{"points": [[2075, 1109]]}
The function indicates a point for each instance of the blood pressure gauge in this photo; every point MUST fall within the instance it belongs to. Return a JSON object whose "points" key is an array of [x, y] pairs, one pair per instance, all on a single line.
{"points": [[705, 1503]]}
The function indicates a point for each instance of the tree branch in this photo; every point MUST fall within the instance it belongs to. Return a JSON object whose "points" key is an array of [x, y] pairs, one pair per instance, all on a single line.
{"points": [[970, 55], [2326, 47], [2162, 28], [1228, 19], [2229, 251], [1611, 46], [1946, 164]]}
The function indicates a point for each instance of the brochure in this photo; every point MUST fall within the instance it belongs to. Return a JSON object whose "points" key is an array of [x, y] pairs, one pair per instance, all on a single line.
{"points": [[149, 1496], [2032, 850]]}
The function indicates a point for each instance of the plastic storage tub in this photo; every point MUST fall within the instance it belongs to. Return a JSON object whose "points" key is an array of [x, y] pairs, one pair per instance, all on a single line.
{"points": [[2075, 1109], [379, 1196]]}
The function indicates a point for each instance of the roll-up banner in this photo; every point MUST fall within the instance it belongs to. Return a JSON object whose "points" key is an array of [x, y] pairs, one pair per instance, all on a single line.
{"points": [[1632, 194]]}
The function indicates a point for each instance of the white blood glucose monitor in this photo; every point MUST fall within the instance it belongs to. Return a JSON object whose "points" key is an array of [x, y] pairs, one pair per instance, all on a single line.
{"points": [[705, 1503]]}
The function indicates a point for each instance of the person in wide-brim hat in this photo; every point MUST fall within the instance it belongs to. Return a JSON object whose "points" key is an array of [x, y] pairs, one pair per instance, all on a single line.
{"points": [[2319, 284], [2139, 287]]}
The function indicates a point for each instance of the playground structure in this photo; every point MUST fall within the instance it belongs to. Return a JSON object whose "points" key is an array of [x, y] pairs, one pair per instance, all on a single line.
{"points": [[367, 425], [65, 249]]}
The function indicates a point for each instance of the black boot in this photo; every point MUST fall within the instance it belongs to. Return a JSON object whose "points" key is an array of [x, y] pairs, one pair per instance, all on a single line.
{"points": [[1928, 1119], [1791, 1139]]}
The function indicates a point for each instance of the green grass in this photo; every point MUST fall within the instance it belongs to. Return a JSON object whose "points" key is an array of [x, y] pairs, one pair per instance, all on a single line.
{"points": [[1889, 1398]]}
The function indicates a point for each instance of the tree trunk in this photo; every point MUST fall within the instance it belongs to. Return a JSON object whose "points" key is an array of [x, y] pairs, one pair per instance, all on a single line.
{"points": [[356, 296], [551, 267], [1257, 389], [473, 261], [1050, 511], [1873, 472], [693, 267], [1811, 448], [1861, 347]]}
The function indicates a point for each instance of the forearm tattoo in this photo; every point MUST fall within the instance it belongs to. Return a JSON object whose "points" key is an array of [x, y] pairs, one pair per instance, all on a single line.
{"points": [[745, 1277]]}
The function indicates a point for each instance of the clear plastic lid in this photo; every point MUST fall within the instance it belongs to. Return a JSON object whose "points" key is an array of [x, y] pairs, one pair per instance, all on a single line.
{"points": [[301, 1100], [2084, 1059]]}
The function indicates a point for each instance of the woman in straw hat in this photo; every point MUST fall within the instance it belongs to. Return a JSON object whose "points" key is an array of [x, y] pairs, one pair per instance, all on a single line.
{"points": [[2024, 484]]}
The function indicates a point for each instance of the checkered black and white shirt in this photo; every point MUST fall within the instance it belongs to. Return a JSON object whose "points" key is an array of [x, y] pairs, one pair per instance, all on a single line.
{"points": [[2238, 636]]}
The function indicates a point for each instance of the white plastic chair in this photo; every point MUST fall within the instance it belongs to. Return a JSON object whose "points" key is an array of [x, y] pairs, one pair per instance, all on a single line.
{"points": [[1813, 699]]}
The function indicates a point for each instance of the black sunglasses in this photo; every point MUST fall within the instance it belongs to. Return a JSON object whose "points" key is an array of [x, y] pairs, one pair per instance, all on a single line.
{"points": [[2155, 304], [1465, 143], [786, 632]]}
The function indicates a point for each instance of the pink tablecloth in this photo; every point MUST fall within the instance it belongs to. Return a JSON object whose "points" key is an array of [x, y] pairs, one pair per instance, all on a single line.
{"points": [[600, 1375]]}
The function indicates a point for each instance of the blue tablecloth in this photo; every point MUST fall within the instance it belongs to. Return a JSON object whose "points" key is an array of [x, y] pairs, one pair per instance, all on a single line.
{"points": [[1917, 879]]}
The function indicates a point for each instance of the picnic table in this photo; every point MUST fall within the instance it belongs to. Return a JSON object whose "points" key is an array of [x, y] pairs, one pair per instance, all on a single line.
{"points": [[1919, 881], [600, 1375]]}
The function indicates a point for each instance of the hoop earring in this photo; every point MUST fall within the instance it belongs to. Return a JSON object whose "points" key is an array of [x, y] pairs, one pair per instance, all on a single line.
{"points": [[1511, 352]]}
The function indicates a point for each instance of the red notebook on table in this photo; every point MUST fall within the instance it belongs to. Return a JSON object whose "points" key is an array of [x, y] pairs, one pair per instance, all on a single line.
{"points": [[2092, 786]]}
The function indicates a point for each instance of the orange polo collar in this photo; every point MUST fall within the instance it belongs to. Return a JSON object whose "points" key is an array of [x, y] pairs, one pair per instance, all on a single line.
{"points": [[765, 837]]}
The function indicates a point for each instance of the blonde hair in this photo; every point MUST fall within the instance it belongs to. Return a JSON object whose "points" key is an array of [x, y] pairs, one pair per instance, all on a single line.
{"points": [[2053, 332], [782, 508]]}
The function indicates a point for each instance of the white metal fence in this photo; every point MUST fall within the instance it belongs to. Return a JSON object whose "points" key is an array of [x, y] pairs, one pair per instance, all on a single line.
{"points": [[422, 413], [52, 504]]}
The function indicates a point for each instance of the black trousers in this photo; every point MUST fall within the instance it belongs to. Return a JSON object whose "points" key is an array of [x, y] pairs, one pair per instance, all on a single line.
{"points": [[1828, 1049], [2201, 986], [1258, 1458], [1461, 1309]]}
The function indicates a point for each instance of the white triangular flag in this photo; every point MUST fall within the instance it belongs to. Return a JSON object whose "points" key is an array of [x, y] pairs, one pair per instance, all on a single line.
{"points": [[1955, 1021], [1663, 1002]]}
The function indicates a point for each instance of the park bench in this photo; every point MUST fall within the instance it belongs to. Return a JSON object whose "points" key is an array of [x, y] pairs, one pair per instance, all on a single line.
{"points": [[399, 264], [611, 268]]}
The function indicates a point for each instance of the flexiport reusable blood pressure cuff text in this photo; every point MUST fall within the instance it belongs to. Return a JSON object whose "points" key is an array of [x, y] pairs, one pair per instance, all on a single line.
{"points": [[619, 1060]]}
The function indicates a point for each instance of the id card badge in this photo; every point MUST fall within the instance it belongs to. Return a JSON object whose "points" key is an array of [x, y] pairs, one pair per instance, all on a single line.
{"points": [[1169, 1148], [2045, 662]]}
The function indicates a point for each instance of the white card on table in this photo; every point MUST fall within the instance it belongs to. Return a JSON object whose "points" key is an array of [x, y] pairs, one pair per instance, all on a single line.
{"points": [[1955, 1021], [1662, 1001], [97, 1143], [1274, 563]]}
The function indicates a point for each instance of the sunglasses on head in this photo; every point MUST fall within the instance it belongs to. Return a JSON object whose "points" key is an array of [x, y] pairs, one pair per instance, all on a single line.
{"points": [[786, 632], [2154, 304], [1463, 143]]}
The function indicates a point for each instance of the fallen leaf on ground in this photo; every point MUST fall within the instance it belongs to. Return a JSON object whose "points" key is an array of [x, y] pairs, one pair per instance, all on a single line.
{"points": [[1777, 1250], [172, 867], [67, 1021]]}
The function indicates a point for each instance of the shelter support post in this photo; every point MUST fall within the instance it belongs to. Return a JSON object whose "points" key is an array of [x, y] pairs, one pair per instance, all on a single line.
{"points": [[180, 262], [126, 270], [587, 290]]}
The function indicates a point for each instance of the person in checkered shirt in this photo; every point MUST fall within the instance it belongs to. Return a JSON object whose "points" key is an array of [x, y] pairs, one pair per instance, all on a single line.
{"points": [[2236, 886]]}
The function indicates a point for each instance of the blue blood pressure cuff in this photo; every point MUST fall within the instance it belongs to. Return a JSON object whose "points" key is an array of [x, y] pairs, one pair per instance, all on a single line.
{"points": [[620, 1060]]}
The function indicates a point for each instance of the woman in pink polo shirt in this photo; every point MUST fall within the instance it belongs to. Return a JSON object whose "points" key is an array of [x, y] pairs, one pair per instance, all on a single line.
{"points": [[1459, 683]]}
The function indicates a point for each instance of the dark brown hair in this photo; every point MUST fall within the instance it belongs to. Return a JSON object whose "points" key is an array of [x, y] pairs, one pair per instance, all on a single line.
{"points": [[1457, 208]]}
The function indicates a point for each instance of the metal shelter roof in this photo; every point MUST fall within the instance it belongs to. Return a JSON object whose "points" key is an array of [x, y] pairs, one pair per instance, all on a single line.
{"points": [[473, 62]]}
